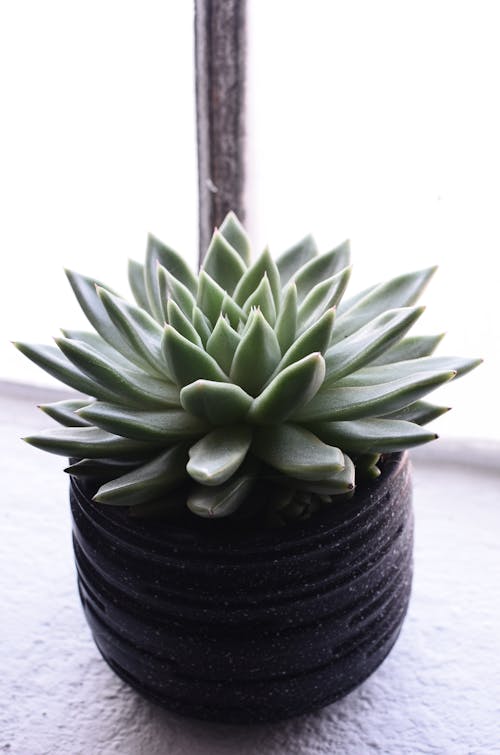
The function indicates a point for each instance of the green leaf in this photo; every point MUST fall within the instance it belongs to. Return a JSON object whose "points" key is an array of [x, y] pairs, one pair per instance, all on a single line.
{"points": [[223, 263], [160, 254], [178, 320], [319, 268], [294, 258], [336, 484], [367, 343], [219, 403], [420, 412], [286, 322], [385, 372], [256, 356], [103, 468], [297, 452], [413, 347], [202, 325], [87, 442], [50, 359], [141, 332], [214, 301], [235, 234], [250, 281], [148, 482], [372, 435], [64, 412], [85, 291], [218, 455], [223, 343], [99, 344], [133, 386], [338, 403], [138, 285], [223, 500], [187, 362], [323, 296], [402, 291], [262, 298], [316, 338], [166, 426], [289, 390], [171, 288]]}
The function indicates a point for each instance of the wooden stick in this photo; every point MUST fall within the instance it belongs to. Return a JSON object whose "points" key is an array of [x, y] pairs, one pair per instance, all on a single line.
{"points": [[220, 47]]}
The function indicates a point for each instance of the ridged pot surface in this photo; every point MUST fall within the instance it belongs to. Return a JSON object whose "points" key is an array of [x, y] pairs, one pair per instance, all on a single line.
{"points": [[254, 625]]}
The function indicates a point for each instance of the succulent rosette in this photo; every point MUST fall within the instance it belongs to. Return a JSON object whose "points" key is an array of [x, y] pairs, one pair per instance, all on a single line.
{"points": [[248, 371]]}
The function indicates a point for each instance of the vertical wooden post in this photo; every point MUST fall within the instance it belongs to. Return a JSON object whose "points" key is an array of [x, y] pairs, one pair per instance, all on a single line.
{"points": [[220, 51]]}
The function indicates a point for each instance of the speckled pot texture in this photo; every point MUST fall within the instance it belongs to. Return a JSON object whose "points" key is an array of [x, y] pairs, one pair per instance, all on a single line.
{"points": [[254, 625]]}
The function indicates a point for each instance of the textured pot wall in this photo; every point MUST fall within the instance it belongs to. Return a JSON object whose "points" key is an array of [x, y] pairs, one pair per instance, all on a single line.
{"points": [[259, 626]]}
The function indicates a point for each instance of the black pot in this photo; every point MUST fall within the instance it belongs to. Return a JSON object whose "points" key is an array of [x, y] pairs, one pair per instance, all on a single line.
{"points": [[253, 625]]}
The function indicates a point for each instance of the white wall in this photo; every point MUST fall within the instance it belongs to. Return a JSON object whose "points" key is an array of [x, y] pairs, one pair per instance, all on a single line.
{"points": [[374, 120], [380, 121]]}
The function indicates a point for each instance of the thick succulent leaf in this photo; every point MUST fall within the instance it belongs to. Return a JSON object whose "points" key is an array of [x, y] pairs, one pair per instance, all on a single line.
{"points": [[262, 298], [178, 320], [138, 328], [367, 343], [85, 291], [219, 403], [256, 356], [50, 359], [336, 484], [160, 254], [297, 452], [289, 390], [264, 265], [402, 291], [137, 387], [235, 234], [223, 500], [167, 426], [223, 263], [346, 304], [316, 338], [138, 285], [296, 257], [286, 323], [413, 347], [64, 412], [323, 296], [321, 267], [219, 454], [338, 403], [171, 288], [96, 342], [214, 301], [187, 362], [148, 482], [223, 343], [372, 435], [202, 324], [420, 412], [87, 442], [103, 469], [385, 372]]}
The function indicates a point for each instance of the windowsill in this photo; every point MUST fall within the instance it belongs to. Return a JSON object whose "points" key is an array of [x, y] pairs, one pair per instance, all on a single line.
{"points": [[436, 689]]}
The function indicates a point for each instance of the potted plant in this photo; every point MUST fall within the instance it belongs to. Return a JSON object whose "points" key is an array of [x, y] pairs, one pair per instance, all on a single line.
{"points": [[240, 487]]}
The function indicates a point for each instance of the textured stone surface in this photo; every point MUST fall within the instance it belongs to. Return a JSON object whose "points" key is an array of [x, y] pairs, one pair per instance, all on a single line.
{"points": [[438, 692]]}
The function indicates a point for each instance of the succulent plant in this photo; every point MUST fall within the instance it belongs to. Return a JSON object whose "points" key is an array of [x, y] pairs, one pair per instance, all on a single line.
{"points": [[248, 371]]}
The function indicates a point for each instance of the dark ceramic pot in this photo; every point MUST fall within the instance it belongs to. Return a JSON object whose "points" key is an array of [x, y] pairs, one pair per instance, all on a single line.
{"points": [[252, 626]]}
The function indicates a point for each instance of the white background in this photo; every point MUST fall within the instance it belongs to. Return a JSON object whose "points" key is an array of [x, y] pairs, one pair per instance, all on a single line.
{"points": [[377, 121]]}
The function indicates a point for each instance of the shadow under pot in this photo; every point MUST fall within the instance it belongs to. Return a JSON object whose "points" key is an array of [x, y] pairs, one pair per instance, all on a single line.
{"points": [[248, 626]]}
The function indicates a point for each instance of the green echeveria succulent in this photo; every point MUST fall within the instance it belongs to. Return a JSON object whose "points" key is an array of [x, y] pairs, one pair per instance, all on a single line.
{"points": [[247, 371]]}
